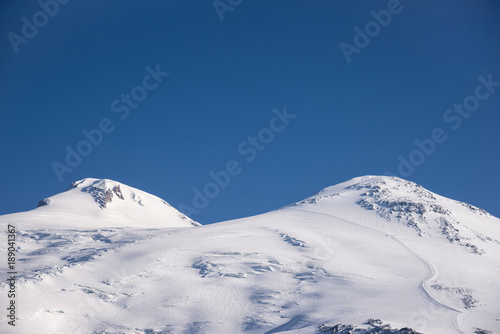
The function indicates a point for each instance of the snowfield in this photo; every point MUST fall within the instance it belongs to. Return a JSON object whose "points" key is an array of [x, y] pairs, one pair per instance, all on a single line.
{"points": [[103, 257]]}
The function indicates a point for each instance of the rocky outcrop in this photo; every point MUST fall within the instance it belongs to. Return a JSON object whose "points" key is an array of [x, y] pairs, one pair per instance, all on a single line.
{"points": [[376, 327], [43, 202], [103, 195]]}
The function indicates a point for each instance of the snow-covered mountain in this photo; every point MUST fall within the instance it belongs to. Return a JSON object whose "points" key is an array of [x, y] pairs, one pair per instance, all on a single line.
{"points": [[94, 203], [403, 204], [374, 254]]}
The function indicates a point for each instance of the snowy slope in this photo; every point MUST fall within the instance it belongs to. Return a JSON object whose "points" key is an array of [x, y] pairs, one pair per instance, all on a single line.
{"points": [[372, 247]]}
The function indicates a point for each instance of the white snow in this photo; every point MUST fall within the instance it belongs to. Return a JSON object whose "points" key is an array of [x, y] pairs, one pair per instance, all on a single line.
{"points": [[372, 247]]}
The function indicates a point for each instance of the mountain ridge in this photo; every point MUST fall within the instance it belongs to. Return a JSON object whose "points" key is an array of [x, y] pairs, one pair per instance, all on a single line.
{"points": [[372, 248]]}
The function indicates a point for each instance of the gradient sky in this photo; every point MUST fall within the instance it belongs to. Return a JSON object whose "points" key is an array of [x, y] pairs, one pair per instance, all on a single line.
{"points": [[225, 79]]}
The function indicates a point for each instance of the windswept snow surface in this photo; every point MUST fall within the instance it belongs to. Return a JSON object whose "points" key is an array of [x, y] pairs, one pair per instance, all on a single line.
{"points": [[370, 248]]}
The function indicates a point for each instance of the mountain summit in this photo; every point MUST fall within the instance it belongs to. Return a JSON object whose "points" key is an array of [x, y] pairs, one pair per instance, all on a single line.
{"points": [[392, 204], [103, 202]]}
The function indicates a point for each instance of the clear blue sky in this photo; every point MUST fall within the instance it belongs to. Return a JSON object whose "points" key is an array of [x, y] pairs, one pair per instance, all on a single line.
{"points": [[225, 78]]}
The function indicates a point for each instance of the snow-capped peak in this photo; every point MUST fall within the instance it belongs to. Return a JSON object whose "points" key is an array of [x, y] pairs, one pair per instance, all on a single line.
{"points": [[115, 204], [398, 195], [404, 203]]}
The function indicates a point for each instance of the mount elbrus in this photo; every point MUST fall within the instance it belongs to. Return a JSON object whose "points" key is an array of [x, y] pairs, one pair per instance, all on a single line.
{"points": [[374, 254]]}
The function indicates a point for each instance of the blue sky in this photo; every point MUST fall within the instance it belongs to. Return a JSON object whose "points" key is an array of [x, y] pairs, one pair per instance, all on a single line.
{"points": [[355, 115]]}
